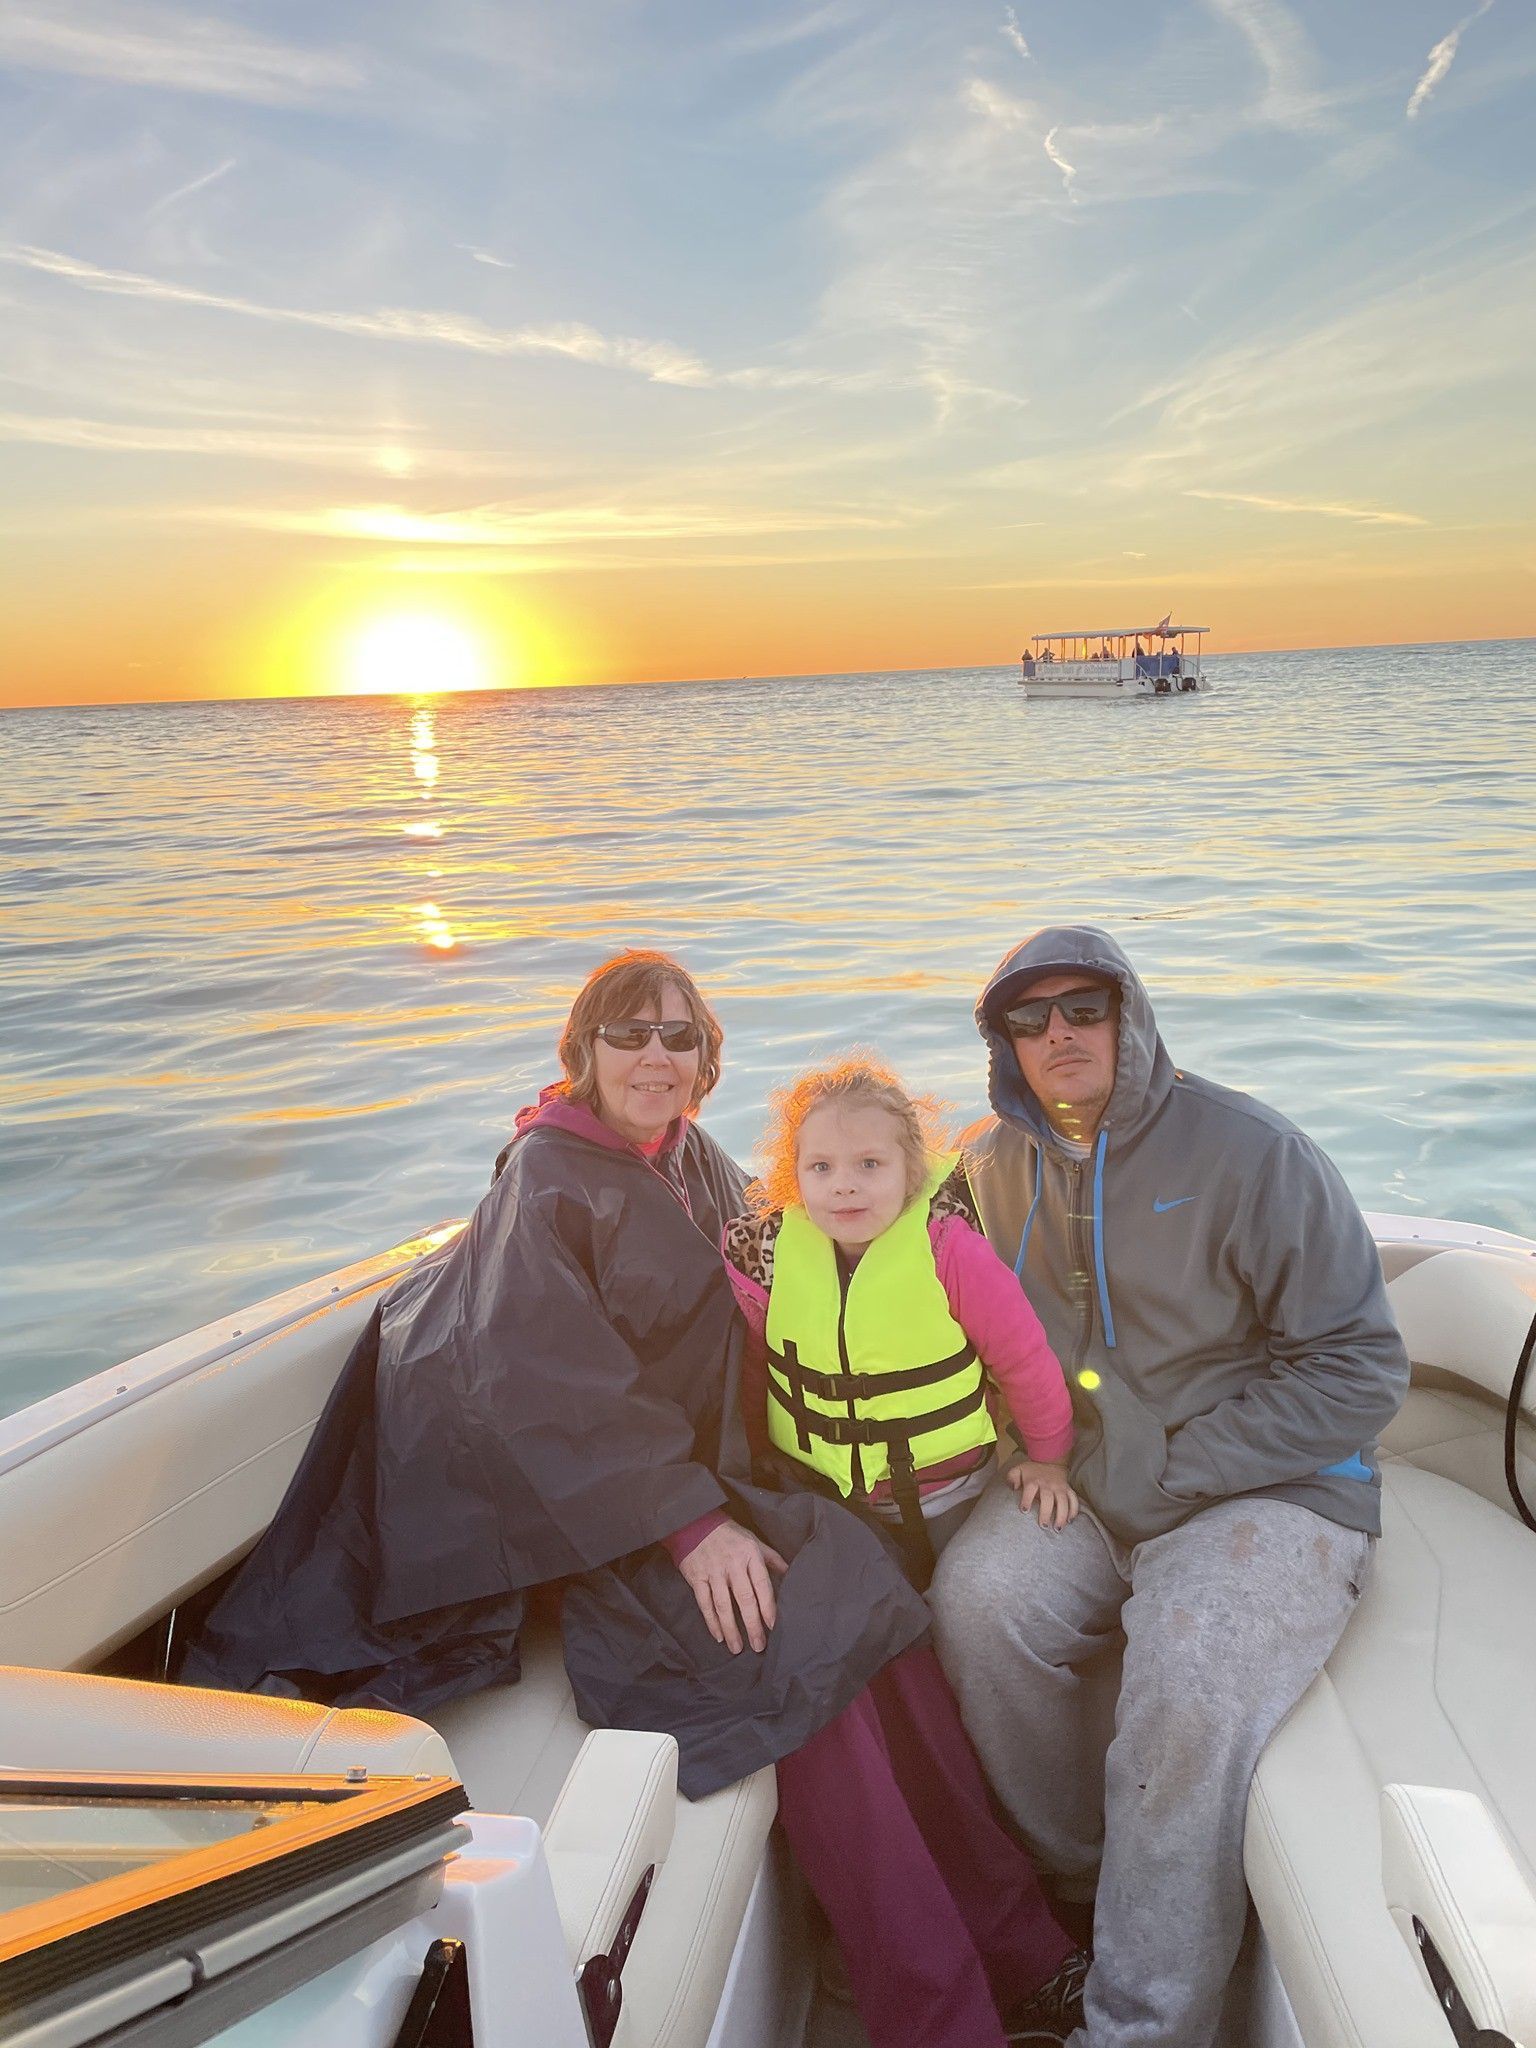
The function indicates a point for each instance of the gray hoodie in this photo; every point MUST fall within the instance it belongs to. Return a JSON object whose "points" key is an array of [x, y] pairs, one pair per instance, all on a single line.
{"points": [[1205, 1277]]}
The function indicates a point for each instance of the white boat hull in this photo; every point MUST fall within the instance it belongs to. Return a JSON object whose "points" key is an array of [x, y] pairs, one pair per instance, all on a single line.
{"points": [[1110, 687]]}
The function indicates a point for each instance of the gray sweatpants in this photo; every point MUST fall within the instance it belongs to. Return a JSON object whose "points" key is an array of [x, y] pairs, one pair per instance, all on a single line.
{"points": [[1227, 1621]]}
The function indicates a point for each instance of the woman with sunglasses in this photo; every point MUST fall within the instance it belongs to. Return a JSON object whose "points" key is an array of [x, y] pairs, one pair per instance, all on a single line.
{"points": [[545, 1400], [551, 1402]]}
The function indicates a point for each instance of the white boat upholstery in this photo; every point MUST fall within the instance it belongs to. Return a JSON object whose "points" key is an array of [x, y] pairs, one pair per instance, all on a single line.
{"points": [[1446, 1867], [612, 1823], [1431, 1686], [67, 1721], [1464, 1314], [516, 1745]]}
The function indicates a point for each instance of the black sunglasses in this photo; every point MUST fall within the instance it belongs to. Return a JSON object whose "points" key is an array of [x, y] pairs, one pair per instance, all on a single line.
{"points": [[1076, 1006], [633, 1032]]}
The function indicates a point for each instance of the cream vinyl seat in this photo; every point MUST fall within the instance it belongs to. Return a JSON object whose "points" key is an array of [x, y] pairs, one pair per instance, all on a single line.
{"points": [[70, 1721], [515, 1745], [1432, 1686]]}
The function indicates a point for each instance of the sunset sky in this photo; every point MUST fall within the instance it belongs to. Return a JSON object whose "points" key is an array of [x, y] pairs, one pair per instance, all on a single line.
{"points": [[546, 341]]}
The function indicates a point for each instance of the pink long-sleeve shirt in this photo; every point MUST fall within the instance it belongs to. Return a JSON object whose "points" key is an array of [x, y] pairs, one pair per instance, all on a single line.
{"points": [[988, 1303]]}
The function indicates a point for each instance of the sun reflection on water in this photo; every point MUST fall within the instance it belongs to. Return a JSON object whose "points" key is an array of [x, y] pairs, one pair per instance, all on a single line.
{"points": [[435, 928], [426, 768], [424, 761]]}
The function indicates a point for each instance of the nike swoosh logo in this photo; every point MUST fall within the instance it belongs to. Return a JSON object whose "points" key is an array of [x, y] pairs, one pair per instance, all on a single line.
{"points": [[1159, 1207]]}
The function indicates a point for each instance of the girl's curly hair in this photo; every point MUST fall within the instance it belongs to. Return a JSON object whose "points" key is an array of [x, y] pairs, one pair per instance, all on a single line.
{"points": [[861, 1081]]}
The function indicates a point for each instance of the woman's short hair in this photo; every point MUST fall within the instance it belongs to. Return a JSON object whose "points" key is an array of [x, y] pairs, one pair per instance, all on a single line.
{"points": [[621, 988], [858, 1082]]}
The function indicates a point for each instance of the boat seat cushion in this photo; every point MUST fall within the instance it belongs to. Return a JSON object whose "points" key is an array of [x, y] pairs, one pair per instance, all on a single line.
{"points": [[1430, 1686], [514, 1745], [72, 1721]]}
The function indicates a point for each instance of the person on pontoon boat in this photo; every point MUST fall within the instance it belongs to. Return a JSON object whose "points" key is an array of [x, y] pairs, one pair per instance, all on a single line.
{"points": [[551, 1401], [1204, 1271]]}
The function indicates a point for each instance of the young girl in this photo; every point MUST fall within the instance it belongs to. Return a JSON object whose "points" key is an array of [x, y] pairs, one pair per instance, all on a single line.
{"points": [[875, 1312], [887, 1337]]}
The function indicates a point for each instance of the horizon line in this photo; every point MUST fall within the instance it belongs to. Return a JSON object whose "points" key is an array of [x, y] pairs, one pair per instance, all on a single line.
{"points": [[699, 682]]}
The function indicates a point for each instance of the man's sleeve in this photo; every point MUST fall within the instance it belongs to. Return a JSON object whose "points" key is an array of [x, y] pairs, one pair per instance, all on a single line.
{"points": [[1338, 1371]]}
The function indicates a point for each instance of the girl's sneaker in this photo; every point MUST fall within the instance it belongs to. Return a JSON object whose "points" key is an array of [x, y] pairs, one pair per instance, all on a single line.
{"points": [[1050, 2014]]}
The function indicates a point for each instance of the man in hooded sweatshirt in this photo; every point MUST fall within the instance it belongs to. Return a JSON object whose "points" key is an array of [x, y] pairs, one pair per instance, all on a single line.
{"points": [[1212, 1290]]}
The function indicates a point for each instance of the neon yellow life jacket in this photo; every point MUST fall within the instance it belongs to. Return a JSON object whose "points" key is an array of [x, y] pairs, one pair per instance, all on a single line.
{"points": [[879, 1380]]}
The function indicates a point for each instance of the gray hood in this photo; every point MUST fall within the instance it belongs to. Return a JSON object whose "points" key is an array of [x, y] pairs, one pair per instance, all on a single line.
{"points": [[1143, 1073]]}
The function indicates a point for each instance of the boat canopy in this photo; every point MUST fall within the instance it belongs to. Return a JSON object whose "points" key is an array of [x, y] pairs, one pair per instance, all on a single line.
{"points": [[1161, 631]]}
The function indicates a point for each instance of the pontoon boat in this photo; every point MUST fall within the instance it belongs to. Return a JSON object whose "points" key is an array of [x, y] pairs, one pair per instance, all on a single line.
{"points": [[1116, 661]]}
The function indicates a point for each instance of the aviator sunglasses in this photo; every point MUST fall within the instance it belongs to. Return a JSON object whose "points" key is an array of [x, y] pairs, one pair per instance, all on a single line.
{"points": [[1076, 1006], [633, 1032]]}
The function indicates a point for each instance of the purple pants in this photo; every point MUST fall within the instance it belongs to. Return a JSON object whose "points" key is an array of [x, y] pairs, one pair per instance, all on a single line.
{"points": [[938, 1914]]}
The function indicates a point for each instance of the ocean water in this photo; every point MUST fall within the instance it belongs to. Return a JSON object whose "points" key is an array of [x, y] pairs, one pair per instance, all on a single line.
{"points": [[276, 976]]}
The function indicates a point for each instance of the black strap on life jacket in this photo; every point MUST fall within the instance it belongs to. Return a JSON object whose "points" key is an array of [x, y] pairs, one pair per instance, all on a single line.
{"points": [[896, 1434], [795, 1373], [909, 1501], [863, 1386], [868, 1429]]}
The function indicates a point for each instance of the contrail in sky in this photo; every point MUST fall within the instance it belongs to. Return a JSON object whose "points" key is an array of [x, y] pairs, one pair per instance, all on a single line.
{"points": [[1068, 171], [1441, 58], [1013, 32], [194, 185]]}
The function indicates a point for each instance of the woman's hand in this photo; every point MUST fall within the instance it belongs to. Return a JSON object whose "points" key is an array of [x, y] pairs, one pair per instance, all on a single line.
{"points": [[1044, 1488], [729, 1574]]}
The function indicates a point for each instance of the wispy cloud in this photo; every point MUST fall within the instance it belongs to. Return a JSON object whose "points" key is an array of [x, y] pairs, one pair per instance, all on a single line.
{"points": [[518, 527], [1367, 515], [659, 361], [1441, 58], [782, 29], [1280, 45], [1012, 33], [485, 256], [192, 185], [1068, 171], [1255, 411], [361, 450], [158, 47]]}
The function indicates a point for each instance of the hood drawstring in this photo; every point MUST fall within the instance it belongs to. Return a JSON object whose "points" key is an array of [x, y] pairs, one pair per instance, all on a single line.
{"points": [[1105, 1310], [1106, 1313], [1029, 1220]]}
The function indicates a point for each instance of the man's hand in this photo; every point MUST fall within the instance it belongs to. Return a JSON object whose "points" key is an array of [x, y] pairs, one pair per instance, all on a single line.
{"points": [[1044, 1488], [729, 1573]]}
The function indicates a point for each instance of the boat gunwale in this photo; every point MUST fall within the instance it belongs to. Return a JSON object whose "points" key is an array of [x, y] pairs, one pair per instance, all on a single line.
{"points": [[59, 1416]]}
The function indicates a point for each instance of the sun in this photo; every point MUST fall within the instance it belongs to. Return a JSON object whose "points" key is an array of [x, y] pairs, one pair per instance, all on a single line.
{"points": [[414, 654]]}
